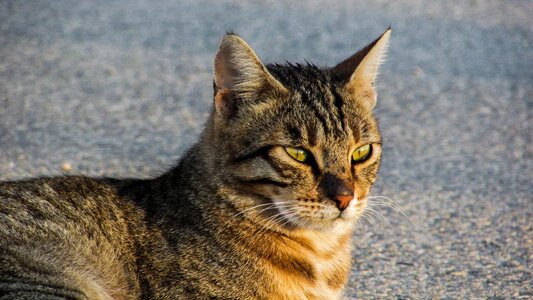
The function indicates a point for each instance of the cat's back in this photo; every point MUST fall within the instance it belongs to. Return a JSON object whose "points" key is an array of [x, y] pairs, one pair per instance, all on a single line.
{"points": [[68, 237]]}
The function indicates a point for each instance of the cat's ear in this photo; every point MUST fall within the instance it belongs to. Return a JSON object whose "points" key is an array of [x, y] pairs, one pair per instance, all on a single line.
{"points": [[359, 72], [239, 72]]}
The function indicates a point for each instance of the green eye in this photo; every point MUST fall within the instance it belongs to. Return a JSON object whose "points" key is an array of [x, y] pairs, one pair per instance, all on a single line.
{"points": [[297, 153], [362, 153]]}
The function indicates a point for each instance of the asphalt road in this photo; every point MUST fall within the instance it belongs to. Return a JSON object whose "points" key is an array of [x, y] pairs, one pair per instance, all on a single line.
{"points": [[122, 88]]}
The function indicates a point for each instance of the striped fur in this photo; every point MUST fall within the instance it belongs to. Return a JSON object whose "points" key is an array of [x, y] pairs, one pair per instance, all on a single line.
{"points": [[237, 218]]}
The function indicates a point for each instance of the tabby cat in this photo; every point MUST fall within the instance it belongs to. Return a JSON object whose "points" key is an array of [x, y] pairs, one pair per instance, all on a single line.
{"points": [[261, 207]]}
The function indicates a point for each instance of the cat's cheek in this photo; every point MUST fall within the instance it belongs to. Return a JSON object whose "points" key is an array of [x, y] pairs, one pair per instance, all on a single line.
{"points": [[275, 191]]}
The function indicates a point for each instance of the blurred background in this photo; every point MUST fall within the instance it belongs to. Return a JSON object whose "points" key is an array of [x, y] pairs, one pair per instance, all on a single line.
{"points": [[123, 87]]}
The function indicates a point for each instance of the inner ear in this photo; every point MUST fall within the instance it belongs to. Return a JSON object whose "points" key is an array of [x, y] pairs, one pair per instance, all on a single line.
{"points": [[239, 74], [236, 64], [224, 104]]}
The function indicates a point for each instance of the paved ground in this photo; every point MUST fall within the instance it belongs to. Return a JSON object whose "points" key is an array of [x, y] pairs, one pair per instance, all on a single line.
{"points": [[123, 87]]}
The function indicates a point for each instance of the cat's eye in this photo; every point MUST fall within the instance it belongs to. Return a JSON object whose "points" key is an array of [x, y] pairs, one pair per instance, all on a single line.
{"points": [[297, 153], [362, 153]]}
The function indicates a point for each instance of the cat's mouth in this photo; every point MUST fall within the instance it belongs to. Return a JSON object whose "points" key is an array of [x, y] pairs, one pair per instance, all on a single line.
{"points": [[317, 214]]}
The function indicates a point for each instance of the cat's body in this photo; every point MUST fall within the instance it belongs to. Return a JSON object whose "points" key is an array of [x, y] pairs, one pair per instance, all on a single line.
{"points": [[238, 218], [121, 249]]}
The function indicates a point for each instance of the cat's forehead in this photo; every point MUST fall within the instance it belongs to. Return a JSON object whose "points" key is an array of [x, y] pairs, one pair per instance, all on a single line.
{"points": [[303, 78], [317, 104]]}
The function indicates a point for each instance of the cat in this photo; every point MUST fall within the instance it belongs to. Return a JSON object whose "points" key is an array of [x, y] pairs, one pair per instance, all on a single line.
{"points": [[262, 207]]}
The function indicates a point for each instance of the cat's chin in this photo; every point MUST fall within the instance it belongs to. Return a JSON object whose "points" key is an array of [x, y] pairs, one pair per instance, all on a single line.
{"points": [[330, 225]]}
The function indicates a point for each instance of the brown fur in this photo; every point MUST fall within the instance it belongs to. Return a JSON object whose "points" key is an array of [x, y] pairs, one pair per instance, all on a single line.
{"points": [[236, 218]]}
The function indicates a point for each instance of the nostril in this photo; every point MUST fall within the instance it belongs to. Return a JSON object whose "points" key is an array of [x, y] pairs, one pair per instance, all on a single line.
{"points": [[339, 190], [343, 201]]}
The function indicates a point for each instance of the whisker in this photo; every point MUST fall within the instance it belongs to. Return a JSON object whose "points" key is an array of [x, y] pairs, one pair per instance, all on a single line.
{"points": [[381, 107], [267, 224], [269, 206], [376, 115], [257, 206], [264, 206], [369, 222], [382, 219], [288, 214], [380, 201], [275, 206], [371, 213]]}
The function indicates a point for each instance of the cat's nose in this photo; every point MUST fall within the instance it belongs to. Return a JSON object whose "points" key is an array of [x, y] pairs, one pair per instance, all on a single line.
{"points": [[338, 190], [343, 201]]}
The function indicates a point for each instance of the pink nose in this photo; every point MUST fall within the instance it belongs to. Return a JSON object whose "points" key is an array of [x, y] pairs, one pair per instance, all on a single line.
{"points": [[343, 201]]}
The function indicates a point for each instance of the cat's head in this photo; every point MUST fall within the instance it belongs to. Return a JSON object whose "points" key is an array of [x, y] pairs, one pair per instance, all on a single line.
{"points": [[298, 141]]}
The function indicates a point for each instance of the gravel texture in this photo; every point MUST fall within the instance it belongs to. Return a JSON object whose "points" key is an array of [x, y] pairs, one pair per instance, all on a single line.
{"points": [[122, 88]]}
